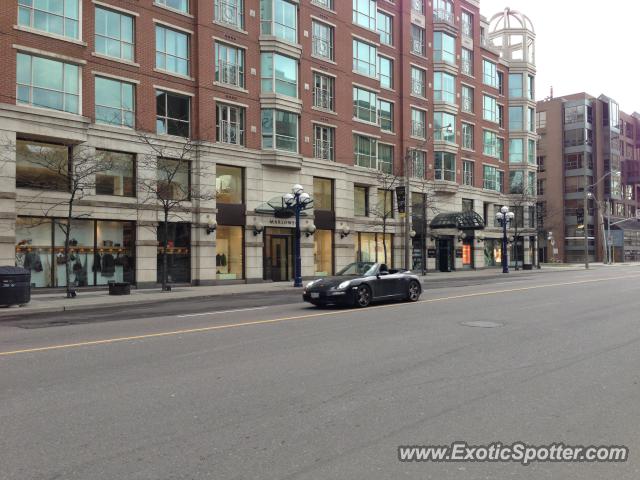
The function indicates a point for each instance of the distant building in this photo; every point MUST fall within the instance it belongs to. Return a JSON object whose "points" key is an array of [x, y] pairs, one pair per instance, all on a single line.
{"points": [[588, 141]]}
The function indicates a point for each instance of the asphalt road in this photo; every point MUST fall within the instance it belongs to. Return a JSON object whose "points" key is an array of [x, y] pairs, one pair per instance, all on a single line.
{"points": [[285, 391]]}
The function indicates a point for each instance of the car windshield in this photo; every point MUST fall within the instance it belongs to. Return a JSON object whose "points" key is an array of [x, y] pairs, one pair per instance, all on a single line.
{"points": [[357, 269]]}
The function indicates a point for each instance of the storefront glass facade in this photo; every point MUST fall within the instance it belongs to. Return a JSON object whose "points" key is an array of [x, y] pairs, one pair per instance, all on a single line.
{"points": [[323, 252], [229, 252], [178, 252], [492, 252], [99, 251], [370, 247]]}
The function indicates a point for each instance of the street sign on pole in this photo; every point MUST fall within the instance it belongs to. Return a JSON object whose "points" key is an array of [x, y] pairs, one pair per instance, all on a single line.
{"points": [[401, 197]]}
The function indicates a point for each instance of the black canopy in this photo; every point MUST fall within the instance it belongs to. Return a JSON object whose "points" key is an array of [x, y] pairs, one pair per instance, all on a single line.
{"points": [[459, 220]]}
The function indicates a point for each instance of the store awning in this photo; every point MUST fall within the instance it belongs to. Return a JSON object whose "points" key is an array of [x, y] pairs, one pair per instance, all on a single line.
{"points": [[458, 220], [279, 209]]}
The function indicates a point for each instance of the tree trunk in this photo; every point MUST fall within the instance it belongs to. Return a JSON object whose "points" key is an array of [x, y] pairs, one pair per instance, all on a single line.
{"points": [[384, 239], [67, 234], [165, 243]]}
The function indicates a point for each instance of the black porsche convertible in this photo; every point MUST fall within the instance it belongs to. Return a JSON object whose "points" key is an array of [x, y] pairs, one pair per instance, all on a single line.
{"points": [[360, 283]]}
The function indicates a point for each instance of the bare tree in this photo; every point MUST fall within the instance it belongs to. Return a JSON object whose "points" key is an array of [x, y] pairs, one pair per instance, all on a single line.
{"points": [[384, 208], [521, 198], [74, 174], [424, 207], [171, 189]]}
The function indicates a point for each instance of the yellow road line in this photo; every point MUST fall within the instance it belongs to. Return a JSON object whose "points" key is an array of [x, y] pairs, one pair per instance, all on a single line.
{"points": [[297, 317]]}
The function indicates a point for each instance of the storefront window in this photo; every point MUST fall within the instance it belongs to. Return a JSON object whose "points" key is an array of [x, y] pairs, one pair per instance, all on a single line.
{"points": [[178, 252], [119, 179], [229, 253], [467, 253], [229, 185], [92, 260], [492, 252], [323, 252], [361, 201], [322, 194], [370, 247], [173, 180], [42, 165]]}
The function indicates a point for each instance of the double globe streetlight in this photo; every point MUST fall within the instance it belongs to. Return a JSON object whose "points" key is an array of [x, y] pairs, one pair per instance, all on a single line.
{"points": [[504, 218], [298, 200]]}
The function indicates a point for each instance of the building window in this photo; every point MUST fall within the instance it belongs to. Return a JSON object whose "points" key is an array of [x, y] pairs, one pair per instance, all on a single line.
{"points": [[364, 58], [417, 6], [540, 186], [365, 151], [531, 120], [418, 82], [229, 185], [119, 180], [516, 147], [466, 20], [444, 48], [418, 123], [230, 124], [501, 83], [323, 252], [531, 183], [172, 114], [489, 143], [172, 50], [229, 12], [323, 194], [500, 149], [324, 142], [57, 17], [229, 252], [364, 105], [467, 205], [467, 136], [280, 19], [279, 74], [515, 85], [179, 5], [467, 62], [515, 119], [418, 161], [384, 206], [114, 34], [492, 179], [443, 11], [279, 130], [531, 91], [374, 247], [417, 40], [516, 182], [531, 152], [322, 40], [467, 175], [385, 115], [323, 92], [229, 65], [445, 166], [467, 99], [364, 13], [42, 165], [385, 28], [444, 127], [385, 69], [444, 87], [47, 83], [385, 158], [540, 164], [501, 116], [361, 201], [114, 102], [489, 109], [489, 73], [328, 4], [174, 179]]}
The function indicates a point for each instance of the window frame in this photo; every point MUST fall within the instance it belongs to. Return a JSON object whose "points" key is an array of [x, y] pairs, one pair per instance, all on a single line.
{"points": [[122, 109], [223, 49], [224, 135], [167, 118], [108, 38], [165, 54], [32, 10]]}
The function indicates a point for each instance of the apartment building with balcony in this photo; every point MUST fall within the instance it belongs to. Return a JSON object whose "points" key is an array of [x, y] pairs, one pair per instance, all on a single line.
{"points": [[588, 147], [345, 98]]}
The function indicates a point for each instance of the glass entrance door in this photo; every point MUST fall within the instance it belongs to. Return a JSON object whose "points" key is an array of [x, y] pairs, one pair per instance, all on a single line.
{"points": [[278, 254]]}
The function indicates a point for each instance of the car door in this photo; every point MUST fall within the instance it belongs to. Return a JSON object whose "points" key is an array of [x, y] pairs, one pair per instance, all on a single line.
{"points": [[385, 285]]}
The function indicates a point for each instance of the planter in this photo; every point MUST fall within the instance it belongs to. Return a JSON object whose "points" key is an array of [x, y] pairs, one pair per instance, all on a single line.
{"points": [[119, 288]]}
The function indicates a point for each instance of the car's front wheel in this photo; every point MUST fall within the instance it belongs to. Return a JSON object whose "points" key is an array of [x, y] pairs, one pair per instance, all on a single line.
{"points": [[363, 296], [413, 292]]}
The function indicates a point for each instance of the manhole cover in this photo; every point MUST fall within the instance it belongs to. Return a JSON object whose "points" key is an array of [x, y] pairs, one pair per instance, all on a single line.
{"points": [[482, 324]]}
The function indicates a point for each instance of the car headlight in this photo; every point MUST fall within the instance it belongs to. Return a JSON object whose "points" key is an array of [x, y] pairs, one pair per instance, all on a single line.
{"points": [[344, 285], [310, 283]]}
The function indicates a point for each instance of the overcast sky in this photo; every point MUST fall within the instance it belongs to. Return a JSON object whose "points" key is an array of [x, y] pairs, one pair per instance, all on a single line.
{"points": [[583, 46]]}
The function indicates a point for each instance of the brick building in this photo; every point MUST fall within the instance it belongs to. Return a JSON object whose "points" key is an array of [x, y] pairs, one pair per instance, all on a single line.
{"points": [[343, 98], [588, 141]]}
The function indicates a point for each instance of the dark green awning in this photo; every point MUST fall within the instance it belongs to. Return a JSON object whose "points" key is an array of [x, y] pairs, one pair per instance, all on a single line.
{"points": [[459, 220]]}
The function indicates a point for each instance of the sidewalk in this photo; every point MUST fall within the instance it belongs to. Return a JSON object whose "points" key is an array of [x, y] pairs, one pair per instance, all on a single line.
{"points": [[89, 300]]}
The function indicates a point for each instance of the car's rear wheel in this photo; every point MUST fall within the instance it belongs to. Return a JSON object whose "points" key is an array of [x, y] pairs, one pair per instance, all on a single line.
{"points": [[363, 296], [413, 292]]}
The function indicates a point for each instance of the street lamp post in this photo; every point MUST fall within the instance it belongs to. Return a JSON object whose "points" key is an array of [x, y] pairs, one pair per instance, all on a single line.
{"points": [[504, 217], [298, 200]]}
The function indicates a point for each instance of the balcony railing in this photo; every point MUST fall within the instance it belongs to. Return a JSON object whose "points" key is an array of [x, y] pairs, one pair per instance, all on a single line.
{"points": [[417, 129], [417, 46], [444, 16], [322, 48], [323, 149], [229, 12], [467, 30], [417, 87], [322, 99], [230, 132], [230, 73]]}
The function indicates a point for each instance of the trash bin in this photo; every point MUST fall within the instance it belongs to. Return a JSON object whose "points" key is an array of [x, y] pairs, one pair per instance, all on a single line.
{"points": [[15, 286], [119, 288], [527, 266]]}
